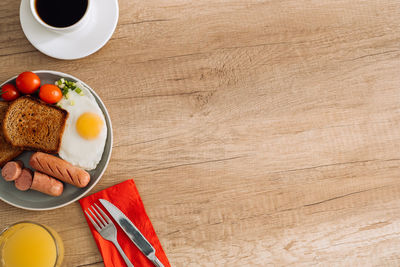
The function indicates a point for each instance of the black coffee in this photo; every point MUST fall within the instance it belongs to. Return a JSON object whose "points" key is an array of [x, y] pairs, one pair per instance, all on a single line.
{"points": [[61, 13]]}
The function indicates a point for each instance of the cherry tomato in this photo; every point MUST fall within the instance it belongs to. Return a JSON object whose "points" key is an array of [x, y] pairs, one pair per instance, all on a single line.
{"points": [[50, 93], [9, 92], [27, 82]]}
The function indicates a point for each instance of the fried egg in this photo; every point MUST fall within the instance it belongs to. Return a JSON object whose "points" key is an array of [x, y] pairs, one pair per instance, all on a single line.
{"points": [[85, 131]]}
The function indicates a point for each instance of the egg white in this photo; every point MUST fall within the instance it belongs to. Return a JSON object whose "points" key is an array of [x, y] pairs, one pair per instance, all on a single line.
{"points": [[81, 152]]}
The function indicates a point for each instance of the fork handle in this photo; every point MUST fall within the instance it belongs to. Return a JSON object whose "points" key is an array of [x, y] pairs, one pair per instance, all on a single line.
{"points": [[127, 261]]}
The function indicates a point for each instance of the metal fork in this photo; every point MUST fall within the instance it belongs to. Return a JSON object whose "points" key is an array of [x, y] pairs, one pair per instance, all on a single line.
{"points": [[106, 229]]}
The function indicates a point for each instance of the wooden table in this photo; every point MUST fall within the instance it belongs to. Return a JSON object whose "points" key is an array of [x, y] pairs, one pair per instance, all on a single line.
{"points": [[258, 132]]}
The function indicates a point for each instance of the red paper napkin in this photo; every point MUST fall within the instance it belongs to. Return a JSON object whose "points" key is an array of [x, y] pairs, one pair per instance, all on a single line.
{"points": [[125, 196]]}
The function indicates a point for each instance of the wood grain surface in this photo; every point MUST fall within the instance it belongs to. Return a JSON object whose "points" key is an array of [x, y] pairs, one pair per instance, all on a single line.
{"points": [[259, 132]]}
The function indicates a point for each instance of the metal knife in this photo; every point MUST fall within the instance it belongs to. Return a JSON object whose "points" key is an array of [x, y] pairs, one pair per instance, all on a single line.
{"points": [[133, 233]]}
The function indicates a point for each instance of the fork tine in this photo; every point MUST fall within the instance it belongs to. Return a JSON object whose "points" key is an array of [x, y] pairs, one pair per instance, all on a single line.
{"points": [[97, 219], [93, 222], [104, 215], [101, 218]]}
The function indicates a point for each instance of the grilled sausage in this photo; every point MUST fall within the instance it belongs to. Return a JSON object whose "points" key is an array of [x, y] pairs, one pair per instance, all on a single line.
{"points": [[46, 184], [12, 170], [60, 169], [39, 182], [24, 181]]}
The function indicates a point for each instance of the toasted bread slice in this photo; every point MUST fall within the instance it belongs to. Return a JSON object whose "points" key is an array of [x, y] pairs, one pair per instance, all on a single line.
{"points": [[7, 151], [34, 125]]}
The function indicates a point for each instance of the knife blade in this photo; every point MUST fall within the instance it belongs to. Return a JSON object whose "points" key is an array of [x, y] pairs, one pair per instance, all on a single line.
{"points": [[132, 232]]}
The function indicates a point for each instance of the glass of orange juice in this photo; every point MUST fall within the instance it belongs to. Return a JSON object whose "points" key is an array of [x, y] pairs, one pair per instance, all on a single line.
{"points": [[29, 244]]}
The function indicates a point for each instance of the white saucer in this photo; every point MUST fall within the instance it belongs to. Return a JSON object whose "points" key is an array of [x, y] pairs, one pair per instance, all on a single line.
{"points": [[93, 36]]}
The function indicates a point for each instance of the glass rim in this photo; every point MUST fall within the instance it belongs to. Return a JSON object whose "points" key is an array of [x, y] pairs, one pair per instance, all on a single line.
{"points": [[40, 225]]}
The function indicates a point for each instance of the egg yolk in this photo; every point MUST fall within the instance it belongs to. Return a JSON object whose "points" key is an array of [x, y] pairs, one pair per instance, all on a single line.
{"points": [[89, 125]]}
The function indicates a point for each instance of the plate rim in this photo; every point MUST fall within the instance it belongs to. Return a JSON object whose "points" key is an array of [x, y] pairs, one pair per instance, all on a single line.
{"points": [[108, 119]]}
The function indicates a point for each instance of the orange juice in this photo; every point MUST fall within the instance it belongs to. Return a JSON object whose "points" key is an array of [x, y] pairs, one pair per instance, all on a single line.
{"points": [[29, 244]]}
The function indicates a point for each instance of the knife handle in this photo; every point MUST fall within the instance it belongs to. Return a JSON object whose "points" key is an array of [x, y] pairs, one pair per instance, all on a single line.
{"points": [[155, 260]]}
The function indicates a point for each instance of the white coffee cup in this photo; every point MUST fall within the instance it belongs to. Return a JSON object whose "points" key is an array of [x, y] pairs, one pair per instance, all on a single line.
{"points": [[74, 27]]}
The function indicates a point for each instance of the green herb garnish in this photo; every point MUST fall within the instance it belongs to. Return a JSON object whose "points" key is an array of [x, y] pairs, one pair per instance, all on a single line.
{"points": [[67, 86]]}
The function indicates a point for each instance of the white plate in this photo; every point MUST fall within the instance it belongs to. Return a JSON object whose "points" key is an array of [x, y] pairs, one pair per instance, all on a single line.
{"points": [[33, 200], [93, 36]]}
